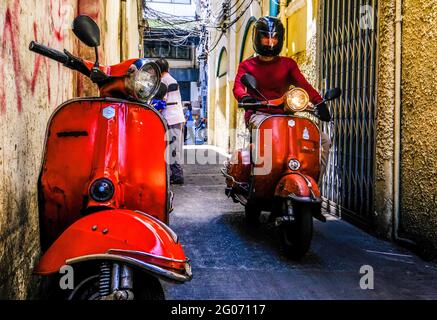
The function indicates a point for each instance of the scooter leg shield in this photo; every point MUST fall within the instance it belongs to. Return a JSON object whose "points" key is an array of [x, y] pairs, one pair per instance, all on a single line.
{"points": [[130, 237]]}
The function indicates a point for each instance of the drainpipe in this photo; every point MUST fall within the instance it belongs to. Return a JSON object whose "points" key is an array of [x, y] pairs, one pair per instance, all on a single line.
{"points": [[397, 127]]}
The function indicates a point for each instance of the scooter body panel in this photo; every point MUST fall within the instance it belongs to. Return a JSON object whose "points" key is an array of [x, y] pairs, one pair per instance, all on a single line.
{"points": [[279, 139], [89, 139], [123, 233]]}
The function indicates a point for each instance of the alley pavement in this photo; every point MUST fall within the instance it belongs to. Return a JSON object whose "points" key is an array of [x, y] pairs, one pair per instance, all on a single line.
{"points": [[233, 260]]}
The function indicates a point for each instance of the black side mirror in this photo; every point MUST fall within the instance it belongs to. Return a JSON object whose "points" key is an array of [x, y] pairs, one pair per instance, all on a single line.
{"points": [[249, 81], [332, 94], [87, 31]]}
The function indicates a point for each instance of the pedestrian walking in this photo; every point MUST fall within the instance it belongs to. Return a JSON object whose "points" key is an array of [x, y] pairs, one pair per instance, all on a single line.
{"points": [[190, 123], [174, 116]]}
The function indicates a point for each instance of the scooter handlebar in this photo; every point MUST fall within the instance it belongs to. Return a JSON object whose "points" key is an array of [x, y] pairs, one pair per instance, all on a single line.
{"points": [[250, 104], [48, 52]]}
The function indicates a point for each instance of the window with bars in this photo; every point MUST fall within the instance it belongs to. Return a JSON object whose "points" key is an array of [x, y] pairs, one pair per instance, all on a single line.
{"points": [[164, 49]]}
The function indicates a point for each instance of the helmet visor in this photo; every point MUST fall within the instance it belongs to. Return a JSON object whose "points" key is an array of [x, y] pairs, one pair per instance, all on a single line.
{"points": [[269, 39]]}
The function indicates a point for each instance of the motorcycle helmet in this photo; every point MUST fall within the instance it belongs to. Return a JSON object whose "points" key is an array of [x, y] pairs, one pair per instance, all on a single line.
{"points": [[268, 36]]}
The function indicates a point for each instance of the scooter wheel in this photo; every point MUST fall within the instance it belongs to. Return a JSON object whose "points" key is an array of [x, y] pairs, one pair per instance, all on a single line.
{"points": [[145, 287], [252, 213], [296, 236]]}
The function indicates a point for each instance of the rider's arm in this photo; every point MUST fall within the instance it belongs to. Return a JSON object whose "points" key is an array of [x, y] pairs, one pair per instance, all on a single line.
{"points": [[239, 89], [298, 80]]}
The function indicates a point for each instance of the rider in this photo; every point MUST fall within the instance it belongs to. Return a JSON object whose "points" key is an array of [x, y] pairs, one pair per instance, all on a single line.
{"points": [[274, 75]]}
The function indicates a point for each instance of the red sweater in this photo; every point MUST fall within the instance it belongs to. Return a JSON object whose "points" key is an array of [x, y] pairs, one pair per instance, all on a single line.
{"points": [[273, 81]]}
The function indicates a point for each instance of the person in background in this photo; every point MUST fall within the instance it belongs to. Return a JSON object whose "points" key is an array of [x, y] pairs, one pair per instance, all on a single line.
{"points": [[174, 116], [190, 123]]}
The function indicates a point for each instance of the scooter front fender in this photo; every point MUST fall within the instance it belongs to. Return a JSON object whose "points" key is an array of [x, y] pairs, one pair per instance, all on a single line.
{"points": [[130, 237], [298, 187]]}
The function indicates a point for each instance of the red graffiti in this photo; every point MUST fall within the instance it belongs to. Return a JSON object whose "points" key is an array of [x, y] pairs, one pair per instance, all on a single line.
{"points": [[9, 32], [10, 51]]}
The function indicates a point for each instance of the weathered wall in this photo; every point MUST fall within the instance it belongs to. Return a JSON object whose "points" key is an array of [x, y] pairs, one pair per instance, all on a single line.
{"points": [[384, 133], [419, 122], [31, 87]]}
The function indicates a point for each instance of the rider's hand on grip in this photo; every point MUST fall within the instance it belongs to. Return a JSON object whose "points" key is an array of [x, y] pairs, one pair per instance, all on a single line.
{"points": [[248, 99]]}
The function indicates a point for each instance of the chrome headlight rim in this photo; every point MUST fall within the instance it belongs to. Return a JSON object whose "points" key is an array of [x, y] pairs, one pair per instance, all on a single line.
{"points": [[135, 85], [297, 99]]}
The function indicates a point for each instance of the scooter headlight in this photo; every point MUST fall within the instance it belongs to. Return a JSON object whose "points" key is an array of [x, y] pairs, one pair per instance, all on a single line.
{"points": [[294, 164], [297, 99], [102, 190], [143, 79]]}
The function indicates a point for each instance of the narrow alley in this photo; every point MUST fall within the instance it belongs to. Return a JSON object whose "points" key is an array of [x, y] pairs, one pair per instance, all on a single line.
{"points": [[232, 260]]}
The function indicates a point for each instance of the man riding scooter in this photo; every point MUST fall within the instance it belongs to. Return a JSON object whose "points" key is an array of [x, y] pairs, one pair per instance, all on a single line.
{"points": [[274, 75]]}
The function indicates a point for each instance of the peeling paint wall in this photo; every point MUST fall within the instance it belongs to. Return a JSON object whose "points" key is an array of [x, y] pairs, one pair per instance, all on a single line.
{"points": [[419, 122], [31, 87]]}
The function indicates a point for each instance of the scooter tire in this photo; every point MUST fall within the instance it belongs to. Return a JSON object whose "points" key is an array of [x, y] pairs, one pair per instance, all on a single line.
{"points": [[296, 236], [145, 287]]}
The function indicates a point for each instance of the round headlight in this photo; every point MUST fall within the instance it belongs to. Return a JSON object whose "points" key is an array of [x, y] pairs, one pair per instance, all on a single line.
{"points": [[294, 164], [143, 80], [102, 190], [297, 99]]}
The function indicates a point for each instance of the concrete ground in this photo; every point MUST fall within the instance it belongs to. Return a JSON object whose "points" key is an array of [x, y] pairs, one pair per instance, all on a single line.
{"points": [[232, 260]]}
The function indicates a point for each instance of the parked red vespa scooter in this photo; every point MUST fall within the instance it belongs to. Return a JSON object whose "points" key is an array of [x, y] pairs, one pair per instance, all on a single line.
{"points": [[104, 195], [290, 146]]}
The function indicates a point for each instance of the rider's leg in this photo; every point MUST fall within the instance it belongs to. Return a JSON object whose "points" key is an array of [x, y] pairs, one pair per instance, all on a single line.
{"points": [[326, 146]]}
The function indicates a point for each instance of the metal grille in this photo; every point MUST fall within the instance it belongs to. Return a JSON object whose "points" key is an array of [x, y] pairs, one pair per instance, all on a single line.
{"points": [[348, 61]]}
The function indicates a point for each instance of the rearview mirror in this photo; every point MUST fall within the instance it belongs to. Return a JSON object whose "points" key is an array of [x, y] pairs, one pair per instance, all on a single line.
{"points": [[87, 31], [249, 81], [332, 94]]}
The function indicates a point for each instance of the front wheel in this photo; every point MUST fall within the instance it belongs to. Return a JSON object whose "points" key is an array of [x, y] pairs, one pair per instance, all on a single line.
{"points": [[296, 235], [145, 287]]}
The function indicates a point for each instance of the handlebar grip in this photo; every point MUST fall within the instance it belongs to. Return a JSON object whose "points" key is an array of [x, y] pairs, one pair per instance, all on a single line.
{"points": [[48, 52], [249, 105]]}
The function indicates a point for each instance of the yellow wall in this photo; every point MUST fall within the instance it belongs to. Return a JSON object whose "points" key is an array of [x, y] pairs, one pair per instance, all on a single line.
{"points": [[419, 122], [225, 119], [297, 32]]}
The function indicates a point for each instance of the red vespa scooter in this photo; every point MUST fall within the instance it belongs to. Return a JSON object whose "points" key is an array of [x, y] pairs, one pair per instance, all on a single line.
{"points": [[104, 196], [279, 171]]}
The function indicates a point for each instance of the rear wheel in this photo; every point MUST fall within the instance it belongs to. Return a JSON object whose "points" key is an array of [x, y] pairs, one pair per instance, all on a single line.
{"points": [[296, 235]]}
